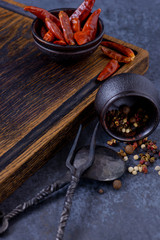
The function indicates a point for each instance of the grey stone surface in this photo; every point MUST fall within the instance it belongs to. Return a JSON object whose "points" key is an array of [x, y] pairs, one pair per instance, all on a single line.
{"points": [[131, 213]]}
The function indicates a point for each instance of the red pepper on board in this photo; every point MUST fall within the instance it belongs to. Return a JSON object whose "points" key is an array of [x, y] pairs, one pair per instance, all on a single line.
{"points": [[125, 50], [66, 27], [109, 69], [76, 25], [54, 29], [49, 36], [89, 30], [60, 42], [43, 31], [117, 56], [83, 10], [42, 14]]}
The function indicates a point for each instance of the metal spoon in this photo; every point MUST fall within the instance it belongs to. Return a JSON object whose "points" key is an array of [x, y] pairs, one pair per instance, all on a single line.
{"points": [[107, 166]]}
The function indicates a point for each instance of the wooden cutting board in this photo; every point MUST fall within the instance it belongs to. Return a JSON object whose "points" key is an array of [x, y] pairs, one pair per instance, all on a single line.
{"points": [[42, 103]]}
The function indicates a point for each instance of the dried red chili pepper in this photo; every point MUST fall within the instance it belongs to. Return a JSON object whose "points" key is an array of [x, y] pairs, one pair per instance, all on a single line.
{"points": [[125, 50], [89, 30], [49, 36], [76, 25], [43, 31], [66, 27], [54, 29], [42, 14], [83, 10], [60, 42], [109, 69], [91, 24], [117, 56], [82, 37]]}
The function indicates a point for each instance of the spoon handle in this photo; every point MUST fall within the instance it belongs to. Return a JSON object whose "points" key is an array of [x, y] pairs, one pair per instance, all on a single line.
{"points": [[67, 207], [35, 200]]}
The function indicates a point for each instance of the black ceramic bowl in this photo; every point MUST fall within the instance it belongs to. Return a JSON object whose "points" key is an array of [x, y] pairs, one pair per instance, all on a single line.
{"points": [[66, 53], [129, 89]]}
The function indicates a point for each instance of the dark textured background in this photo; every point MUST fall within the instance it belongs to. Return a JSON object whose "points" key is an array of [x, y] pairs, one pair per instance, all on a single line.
{"points": [[130, 213]]}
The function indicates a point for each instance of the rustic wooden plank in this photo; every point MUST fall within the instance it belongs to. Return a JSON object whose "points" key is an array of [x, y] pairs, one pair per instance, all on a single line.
{"points": [[41, 101]]}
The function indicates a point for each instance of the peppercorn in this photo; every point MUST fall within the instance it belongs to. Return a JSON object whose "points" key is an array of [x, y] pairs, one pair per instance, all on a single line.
{"points": [[157, 168], [125, 158], [129, 149], [136, 157], [144, 169], [143, 146], [101, 191], [117, 184], [130, 169], [152, 159], [111, 142], [134, 172], [126, 110]]}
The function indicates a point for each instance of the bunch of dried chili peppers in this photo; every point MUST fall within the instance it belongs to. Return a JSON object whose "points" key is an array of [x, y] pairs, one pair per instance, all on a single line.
{"points": [[68, 29], [122, 55]]}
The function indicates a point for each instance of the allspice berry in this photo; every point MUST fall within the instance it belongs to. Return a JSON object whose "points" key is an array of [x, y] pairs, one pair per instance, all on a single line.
{"points": [[129, 149], [126, 110], [117, 184]]}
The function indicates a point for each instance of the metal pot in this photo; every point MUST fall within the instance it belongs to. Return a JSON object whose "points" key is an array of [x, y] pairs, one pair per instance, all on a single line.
{"points": [[129, 89]]}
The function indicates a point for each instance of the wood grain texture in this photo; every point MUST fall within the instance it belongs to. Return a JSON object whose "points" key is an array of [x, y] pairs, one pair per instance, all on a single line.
{"points": [[40, 101], [15, 3]]}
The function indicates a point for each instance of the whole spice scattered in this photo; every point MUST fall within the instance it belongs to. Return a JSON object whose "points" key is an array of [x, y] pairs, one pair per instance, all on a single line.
{"points": [[136, 168], [122, 153], [134, 172], [143, 146], [136, 157], [157, 168], [130, 169], [117, 184], [129, 149], [112, 142], [125, 158], [101, 191]]}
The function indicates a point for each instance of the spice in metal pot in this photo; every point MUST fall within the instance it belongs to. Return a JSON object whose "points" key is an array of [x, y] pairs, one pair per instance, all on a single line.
{"points": [[117, 184], [127, 121]]}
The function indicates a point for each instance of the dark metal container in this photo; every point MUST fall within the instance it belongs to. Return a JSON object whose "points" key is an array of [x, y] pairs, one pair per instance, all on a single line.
{"points": [[129, 89]]}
